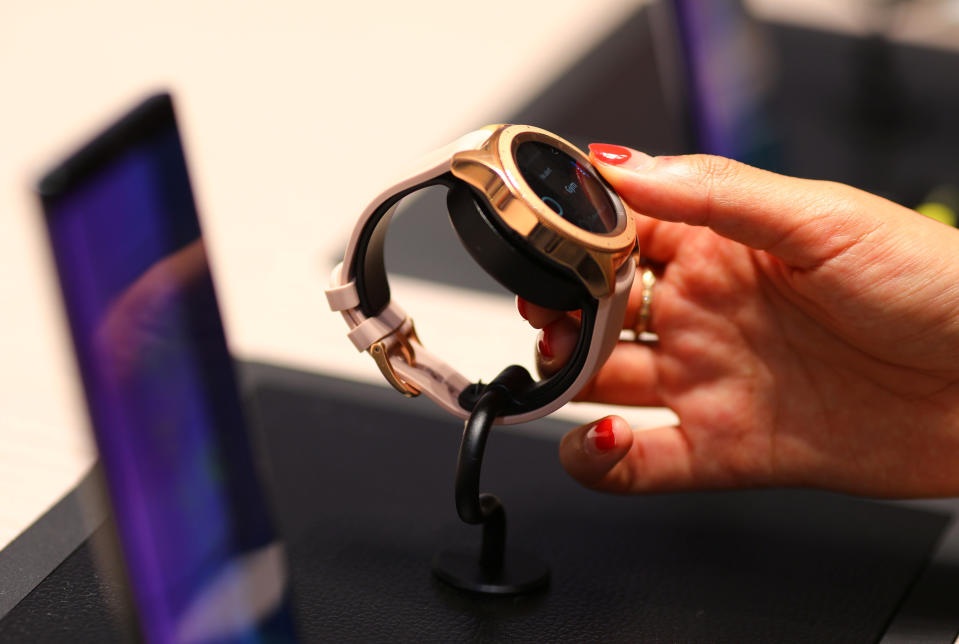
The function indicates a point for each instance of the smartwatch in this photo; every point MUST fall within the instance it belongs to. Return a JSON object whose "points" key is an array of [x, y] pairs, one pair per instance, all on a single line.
{"points": [[534, 213]]}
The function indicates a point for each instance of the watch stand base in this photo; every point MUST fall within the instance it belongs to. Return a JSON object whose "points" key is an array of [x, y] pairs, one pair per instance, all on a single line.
{"points": [[522, 572], [492, 568]]}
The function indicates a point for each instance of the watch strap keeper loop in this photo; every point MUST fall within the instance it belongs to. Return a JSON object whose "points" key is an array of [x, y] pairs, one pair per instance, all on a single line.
{"points": [[341, 297], [374, 329]]}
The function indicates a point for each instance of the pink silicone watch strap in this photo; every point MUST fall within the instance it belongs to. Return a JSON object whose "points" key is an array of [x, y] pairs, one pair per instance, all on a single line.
{"points": [[429, 374]]}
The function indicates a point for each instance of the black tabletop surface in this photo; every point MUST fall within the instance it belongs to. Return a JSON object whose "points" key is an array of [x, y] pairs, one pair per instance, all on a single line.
{"points": [[362, 483]]}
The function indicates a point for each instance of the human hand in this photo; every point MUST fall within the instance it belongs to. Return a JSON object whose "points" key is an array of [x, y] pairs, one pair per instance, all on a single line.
{"points": [[808, 336]]}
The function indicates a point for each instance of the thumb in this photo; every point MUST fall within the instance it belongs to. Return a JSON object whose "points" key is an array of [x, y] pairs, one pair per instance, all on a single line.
{"points": [[802, 222], [610, 456], [588, 453]]}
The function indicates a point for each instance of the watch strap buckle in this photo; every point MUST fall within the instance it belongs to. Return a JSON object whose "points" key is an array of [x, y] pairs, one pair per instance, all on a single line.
{"points": [[398, 343]]}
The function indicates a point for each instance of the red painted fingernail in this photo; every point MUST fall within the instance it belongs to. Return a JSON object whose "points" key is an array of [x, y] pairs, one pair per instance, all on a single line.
{"points": [[604, 439], [544, 349], [610, 154], [521, 307]]}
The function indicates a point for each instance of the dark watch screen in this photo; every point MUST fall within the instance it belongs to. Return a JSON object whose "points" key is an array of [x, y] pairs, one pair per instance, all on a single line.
{"points": [[571, 189]]}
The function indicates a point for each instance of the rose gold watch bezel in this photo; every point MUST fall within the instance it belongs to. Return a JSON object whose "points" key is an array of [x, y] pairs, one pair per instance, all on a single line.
{"points": [[492, 170]]}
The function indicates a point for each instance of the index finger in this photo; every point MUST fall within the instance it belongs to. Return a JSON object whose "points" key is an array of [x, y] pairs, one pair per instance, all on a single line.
{"points": [[802, 222]]}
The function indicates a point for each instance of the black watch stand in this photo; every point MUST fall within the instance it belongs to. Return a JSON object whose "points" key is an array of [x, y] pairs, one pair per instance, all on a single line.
{"points": [[494, 569]]}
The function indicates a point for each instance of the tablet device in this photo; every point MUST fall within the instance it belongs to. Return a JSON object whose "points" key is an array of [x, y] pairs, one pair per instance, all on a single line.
{"points": [[202, 557]]}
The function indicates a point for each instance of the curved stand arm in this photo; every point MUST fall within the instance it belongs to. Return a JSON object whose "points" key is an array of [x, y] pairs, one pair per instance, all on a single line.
{"points": [[494, 572], [473, 507]]}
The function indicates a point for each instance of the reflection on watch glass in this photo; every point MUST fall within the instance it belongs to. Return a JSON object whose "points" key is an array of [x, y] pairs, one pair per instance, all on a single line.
{"points": [[571, 189]]}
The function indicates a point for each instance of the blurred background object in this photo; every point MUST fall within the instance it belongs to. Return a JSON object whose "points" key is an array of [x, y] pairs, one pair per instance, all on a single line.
{"points": [[942, 204], [203, 558], [865, 92]]}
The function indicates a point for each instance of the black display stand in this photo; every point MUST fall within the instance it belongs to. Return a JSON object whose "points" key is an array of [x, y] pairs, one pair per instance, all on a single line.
{"points": [[494, 569]]}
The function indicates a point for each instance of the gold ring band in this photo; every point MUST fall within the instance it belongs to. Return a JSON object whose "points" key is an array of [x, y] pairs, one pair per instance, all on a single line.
{"points": [[646, 302]]}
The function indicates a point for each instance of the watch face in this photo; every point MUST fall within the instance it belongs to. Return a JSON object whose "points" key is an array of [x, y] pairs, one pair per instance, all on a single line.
{"points": [[569, 188]]}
